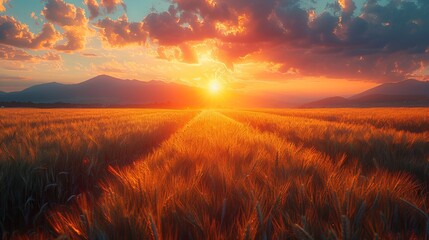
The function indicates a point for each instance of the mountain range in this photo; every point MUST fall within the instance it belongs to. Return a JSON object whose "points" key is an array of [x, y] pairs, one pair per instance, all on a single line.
{"points": [[407, 93], [104, 90], [110, 91]]}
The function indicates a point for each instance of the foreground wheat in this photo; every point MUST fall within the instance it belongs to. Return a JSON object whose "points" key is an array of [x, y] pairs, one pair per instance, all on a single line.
{"points": [[218, 178]]}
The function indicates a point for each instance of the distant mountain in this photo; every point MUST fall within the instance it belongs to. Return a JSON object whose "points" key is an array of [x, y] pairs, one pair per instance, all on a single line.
{"points": [[407, 87], [108, 90], [328, 102], [408, 93]]}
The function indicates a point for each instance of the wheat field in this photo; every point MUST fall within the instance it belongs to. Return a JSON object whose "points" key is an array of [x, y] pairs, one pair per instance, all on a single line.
{"points": [[214, 174]]}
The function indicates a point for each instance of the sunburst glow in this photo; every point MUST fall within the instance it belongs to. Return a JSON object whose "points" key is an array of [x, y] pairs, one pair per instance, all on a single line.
{"points": [[214, 87]]}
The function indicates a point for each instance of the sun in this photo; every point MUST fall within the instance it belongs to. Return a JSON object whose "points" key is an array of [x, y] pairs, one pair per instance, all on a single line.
{"points": [[214, 87]]}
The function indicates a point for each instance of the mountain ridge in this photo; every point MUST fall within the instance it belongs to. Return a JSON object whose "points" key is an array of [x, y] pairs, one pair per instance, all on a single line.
{"points": [[405, 87], [406, 93], [104, 89]]}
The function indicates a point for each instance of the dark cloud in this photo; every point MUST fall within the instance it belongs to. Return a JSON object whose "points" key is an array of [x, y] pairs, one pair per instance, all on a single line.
{"points": [[379, 42], [93, 7], [375, 42]]}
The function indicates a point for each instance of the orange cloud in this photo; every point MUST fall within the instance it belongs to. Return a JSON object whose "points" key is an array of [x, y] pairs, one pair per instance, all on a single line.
{"points": [[14, 54], [184, 53], [347, 5], [188, 54], [16, 34], [2, 3], [75, 39], [11, 53], [71, 19]]}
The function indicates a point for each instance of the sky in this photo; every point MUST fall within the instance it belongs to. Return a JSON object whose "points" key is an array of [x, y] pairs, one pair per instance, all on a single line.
{"points": [[303, 49]]}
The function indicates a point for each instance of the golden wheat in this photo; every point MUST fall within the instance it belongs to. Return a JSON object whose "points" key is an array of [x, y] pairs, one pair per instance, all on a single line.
{"points": [[259, 174]]}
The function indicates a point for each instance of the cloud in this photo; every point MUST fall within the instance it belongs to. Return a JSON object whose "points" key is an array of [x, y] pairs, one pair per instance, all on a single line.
{"points": [[16, 34], [64, 14], [347, 8], [2, 3], [381, 42], [121, 32], [377, 42], [50, 56], [35, 18], [111, 5], [89, 55], [184, 53], [75, 39], [71, 19], [15, 54], [11, 53], [188, 54], [166, 30], [93, 7]]}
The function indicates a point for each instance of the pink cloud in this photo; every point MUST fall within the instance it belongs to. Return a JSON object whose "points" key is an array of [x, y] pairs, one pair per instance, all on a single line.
{"points": [[111, 5], [121, 32]]}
